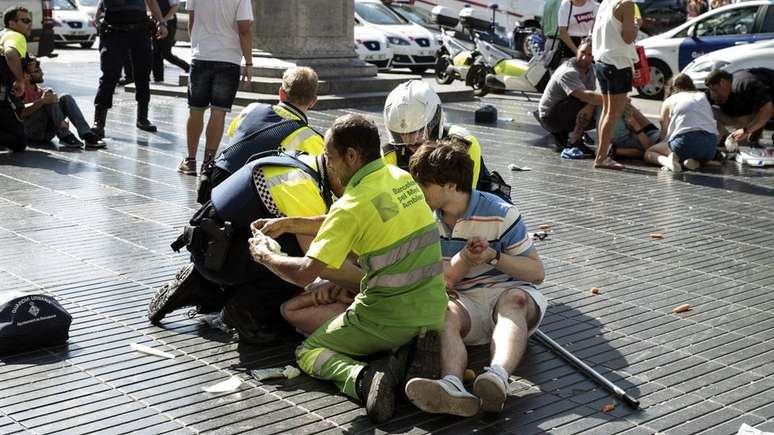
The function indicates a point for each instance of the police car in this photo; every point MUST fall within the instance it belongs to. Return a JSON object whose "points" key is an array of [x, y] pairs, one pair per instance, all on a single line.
{"points": [[72, 25], [372, 46], [728, 26], [413, 46], [760, 54]]}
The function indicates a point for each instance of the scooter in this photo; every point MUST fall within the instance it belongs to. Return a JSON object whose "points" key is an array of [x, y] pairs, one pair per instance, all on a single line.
{"points": [[454, 59]]}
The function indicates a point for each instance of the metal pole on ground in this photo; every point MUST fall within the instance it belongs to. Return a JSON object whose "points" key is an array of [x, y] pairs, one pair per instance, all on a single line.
{"points": [[588, 371]]}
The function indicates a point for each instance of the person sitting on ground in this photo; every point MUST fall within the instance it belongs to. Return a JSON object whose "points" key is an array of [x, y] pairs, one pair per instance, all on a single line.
{"points": [[263, 127], [566, 108], [744, 102], [46, 114], [383, 219], [13, 57], [413, 115], [222, 274], [490, 269], [687, 126]]}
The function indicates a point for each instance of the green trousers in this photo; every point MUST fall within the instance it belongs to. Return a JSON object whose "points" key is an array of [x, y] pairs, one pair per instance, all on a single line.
{"points": [[330, 352]]}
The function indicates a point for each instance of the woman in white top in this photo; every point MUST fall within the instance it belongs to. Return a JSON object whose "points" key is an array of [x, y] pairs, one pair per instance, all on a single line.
{"points": [[614, 53], [576, 21], [688, 125]]}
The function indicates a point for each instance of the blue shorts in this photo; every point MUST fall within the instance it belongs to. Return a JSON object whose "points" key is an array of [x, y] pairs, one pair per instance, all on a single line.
{"points": [[632, 140], [613, 81], [698, 145], [212, 84]]}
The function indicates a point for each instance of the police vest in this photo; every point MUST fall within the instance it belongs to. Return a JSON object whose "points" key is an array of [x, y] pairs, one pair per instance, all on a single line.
{"points": [[237, 198], [267, 130]]}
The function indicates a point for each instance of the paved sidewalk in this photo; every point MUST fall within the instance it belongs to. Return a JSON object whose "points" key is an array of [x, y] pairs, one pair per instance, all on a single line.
{"points": [[93, 229]]}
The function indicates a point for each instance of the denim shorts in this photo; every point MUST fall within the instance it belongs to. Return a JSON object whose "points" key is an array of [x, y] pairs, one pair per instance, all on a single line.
{"points": [[212, 84], [698, 145], [613, 81]]}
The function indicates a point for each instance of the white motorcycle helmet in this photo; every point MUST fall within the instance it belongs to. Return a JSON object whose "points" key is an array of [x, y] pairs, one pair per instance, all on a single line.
{"points": [[413, 113]]}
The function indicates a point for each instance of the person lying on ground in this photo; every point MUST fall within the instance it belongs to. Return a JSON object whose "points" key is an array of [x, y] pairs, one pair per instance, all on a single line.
{"points": [[633, 134], [743, 101], [46, 114], [688, 130], [490, 269]]}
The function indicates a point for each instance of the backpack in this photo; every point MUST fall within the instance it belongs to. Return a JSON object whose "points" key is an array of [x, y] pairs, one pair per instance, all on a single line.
{"points": [[31, 321]]}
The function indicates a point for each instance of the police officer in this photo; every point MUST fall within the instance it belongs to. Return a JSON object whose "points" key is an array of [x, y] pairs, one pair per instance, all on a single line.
{"points": [[263, 127], [222, 273], [126, 27], [413, 115]]}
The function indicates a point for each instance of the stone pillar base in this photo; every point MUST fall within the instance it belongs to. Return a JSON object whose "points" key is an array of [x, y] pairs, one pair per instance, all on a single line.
{"points": [[265, 65]]}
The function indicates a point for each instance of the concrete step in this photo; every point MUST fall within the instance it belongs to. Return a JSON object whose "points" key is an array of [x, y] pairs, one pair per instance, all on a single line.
{"points": [[341, 100], [270, 85]]}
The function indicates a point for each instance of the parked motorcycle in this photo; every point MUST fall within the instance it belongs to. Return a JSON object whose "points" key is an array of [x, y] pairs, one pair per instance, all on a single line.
{"points": [[497, 69]]}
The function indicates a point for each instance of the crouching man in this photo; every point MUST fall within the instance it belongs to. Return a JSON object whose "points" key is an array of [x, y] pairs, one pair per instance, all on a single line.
{"points": [[383, 219], [490, 268]]}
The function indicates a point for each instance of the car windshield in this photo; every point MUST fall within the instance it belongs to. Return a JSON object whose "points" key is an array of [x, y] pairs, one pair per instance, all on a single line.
{"points": [[64, 5], [88, 3], [413, 14], [376, 13]]}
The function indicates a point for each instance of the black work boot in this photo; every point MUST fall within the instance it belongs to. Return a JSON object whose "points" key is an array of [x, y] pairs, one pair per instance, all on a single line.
{"points": [[179, 293], [424, 357], [100, 118], [376, 388], [142, 119]]}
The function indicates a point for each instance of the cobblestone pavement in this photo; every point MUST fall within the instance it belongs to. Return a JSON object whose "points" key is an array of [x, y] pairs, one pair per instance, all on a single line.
{"points": [[93, 229]]}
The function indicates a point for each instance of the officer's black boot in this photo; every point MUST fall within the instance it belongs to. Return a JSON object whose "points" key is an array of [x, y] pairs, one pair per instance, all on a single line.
{"points": [[142, 118], [100, 118]]}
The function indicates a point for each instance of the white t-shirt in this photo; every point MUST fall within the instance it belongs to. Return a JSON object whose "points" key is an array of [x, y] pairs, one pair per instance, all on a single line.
{"points": [[689, 111], [579, 21], [215, 34]]}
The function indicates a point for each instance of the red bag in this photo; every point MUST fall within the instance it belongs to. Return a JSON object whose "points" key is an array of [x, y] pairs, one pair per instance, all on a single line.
{"points": [[641, 73]]}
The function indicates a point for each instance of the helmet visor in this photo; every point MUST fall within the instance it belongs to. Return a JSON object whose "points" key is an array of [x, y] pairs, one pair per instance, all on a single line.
{"points": [[416, 137]]}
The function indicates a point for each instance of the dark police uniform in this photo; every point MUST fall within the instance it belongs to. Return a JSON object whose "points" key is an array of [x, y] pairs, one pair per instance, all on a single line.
{"points": [[125, 27], [162, 48]]}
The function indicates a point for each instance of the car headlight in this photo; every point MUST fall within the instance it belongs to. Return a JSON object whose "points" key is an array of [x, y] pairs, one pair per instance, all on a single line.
{"points": [[705, 66], [394, 40]]}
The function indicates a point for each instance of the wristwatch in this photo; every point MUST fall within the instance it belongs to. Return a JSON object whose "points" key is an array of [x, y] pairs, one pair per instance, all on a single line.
{"points": [[495, 260]]}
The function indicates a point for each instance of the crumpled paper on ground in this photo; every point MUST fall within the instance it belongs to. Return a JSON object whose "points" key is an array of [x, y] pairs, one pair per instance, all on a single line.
{"points": [[746, 429], [288, 372], [227, 386]]}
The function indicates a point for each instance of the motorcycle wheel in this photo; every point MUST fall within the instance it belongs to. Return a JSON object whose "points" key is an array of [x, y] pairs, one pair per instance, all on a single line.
{"points": [[441, 76], [477, 79]]}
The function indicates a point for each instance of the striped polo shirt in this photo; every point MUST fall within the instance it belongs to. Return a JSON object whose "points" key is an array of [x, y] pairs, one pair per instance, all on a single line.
{"points": [[495, 220]]}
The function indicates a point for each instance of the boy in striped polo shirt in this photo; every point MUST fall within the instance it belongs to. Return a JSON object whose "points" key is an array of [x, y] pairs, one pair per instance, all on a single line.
{"points": [[490, 268]]}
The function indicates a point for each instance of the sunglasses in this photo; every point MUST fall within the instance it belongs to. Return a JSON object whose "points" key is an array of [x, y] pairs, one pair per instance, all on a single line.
{"points": [[25, 20]]}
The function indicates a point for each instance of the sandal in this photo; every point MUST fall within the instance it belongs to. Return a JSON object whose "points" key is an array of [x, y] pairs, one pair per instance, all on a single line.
{"points": [[609, 163]]}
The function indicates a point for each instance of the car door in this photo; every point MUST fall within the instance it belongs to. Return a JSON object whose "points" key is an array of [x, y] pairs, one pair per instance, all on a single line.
{"points": [[766, 19], [718, 30]]}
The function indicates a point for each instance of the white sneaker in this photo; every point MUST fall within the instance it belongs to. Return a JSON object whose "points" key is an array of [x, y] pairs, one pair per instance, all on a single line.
{"points": [[492, 391], [441, 397], [691, 164], [671, 162]]}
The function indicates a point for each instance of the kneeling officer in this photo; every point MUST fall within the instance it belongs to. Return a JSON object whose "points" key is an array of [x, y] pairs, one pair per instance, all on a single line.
{"points": [[222, 274]]}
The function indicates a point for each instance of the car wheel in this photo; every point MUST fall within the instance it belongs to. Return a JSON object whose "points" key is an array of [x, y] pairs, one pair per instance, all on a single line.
{"points": [[418, 69], [87, 44], [659, 76], [441, 76]]}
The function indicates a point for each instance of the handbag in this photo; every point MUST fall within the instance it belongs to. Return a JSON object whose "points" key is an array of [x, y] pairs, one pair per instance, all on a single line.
{"points": [[641, 76]]}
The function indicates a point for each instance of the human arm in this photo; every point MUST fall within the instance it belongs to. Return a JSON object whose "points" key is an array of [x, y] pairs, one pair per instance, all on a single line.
{"points": [[589, 97], [172, 12], [624, 11], [161, 26], [275, 227], [246, 43], [48, 97], [13, 59], [759, 121], [563, 23], [300, 271], [191, 16], [664, 119], [564, 35], [348, 275], [523, 267]]}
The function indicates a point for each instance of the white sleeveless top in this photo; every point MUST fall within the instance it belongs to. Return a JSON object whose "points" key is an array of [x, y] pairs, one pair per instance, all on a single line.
{"points": [[608, 44], [689, 111]]}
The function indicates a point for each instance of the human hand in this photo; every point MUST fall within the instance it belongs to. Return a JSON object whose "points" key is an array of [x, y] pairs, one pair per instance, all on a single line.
{"points": [[50, 97], [259, 249], [740, 135], [18, 88], [325, 292], [476, 251], [161, 31], [272, 227], [247, 73]]}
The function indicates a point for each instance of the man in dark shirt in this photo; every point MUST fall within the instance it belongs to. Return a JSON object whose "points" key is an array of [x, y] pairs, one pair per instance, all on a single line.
{"points": [[742, 100]]}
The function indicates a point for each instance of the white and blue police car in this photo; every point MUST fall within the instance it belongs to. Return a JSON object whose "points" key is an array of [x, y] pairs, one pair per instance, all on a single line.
{"points": [[737, 24]]}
